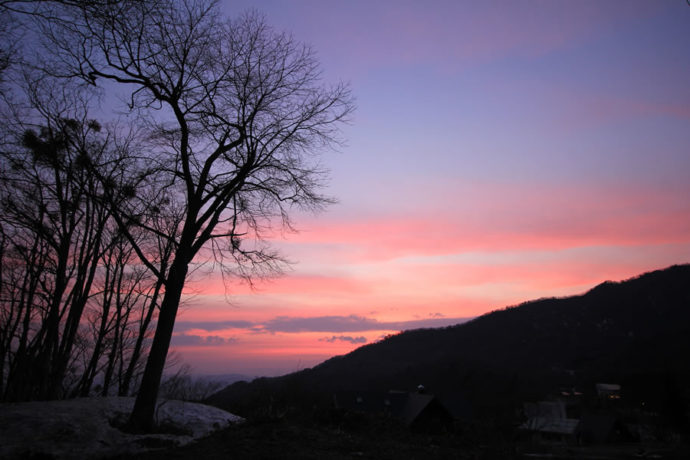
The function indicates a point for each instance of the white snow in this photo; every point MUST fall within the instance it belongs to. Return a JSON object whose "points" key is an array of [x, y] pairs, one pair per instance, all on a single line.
{"points": [[82, 428]]}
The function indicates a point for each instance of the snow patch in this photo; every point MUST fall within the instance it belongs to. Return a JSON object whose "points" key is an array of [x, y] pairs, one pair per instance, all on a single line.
{"points": [[86, 427]]}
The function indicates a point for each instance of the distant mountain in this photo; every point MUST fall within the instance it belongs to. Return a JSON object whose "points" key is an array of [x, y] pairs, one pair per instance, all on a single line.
{"points": [[614, 332], [223, 379]]}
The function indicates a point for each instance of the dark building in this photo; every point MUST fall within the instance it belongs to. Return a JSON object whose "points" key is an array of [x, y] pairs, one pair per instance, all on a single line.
{"points": [[414, 410]]}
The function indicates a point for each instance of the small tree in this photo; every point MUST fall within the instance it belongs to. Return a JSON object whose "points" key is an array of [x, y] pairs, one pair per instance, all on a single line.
{"points": [[237, 112]]}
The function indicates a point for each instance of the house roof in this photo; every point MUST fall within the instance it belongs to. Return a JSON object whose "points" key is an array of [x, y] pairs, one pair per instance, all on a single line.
{"points": [[414, 405], [405, 406], [607, 387], [551, 425]]}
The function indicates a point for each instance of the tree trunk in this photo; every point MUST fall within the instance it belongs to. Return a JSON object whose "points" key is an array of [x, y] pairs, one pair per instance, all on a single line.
{"points": [[143, 327], [141, 419]]}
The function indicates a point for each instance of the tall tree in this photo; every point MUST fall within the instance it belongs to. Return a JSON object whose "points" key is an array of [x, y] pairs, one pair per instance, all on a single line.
{"points": [[56, 230], [54, 226], [238, 112]]}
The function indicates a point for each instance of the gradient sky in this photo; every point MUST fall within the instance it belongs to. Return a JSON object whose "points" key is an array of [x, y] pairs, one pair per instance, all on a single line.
{"points": [[501, 151]]}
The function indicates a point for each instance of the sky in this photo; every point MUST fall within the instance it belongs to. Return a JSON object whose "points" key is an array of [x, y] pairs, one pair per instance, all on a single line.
{"points": [[501, 151]]}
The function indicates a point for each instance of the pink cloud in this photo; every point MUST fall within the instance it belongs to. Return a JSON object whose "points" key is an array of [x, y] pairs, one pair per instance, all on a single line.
{"points": [[539, 274], [214, 284], [571, 109], [503, 218]]}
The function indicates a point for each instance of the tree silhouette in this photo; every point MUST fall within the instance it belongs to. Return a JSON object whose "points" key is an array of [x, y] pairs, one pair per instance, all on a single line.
{"points": [[236, 113], [53, 227]]}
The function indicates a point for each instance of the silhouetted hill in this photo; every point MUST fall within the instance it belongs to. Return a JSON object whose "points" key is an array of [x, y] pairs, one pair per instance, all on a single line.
{"points": [[617, 331]]}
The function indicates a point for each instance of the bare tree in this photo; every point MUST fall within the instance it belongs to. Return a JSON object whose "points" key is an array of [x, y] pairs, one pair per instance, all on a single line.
{"points": [[123, 288], [182, 386], [56, 231], [53, 221], [238, 112], [44, 201]]}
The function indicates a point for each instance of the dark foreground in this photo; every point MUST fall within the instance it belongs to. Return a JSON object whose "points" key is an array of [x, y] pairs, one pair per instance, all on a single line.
{"points": [[294, 440]]}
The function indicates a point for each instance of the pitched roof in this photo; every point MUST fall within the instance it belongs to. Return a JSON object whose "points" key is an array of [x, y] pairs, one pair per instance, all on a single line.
{"points": [[402, 405], [414, 405], [551, 425]]}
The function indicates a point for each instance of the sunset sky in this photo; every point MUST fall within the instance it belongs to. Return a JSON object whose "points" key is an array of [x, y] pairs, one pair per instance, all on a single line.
{"points": [[501, 151]]}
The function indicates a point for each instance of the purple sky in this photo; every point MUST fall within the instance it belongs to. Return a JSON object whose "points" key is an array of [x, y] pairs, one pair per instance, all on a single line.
{"points": [[501, 151]]}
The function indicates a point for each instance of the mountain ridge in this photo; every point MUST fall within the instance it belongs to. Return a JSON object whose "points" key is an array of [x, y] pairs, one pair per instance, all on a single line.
{"points": [[613, 331]]}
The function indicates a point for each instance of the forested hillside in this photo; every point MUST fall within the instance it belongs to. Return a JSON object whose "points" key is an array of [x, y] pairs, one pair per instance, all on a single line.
{"points": [[626, 331]]}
